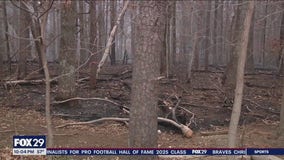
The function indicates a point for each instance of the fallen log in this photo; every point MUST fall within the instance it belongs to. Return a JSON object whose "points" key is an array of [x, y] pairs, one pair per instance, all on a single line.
{"points": [[91, 98], [26, 82], [187, 132], [42, 81], [214, 133], [13, 82]]}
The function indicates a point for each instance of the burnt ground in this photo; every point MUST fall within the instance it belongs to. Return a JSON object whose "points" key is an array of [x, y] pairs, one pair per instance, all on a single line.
{"points": [[210, 106]]}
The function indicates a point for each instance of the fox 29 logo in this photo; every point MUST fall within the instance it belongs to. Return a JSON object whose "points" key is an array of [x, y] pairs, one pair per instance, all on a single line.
{"points": [[29, 142]]}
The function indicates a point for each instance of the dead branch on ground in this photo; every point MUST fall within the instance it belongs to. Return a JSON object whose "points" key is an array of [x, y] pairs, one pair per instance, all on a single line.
{"points": [[192, 117], [91, 98], [13, 82], [187, 132], [168, 104], [260, 106], [214, 133]]}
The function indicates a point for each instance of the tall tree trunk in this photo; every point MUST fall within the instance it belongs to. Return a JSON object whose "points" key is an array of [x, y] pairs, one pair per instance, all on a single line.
{"points": [[281, 69], [78, 36], [214, 35], [219, 36], [57, 22], [7, 39], [2, 47], [250, 57], [207, 35], [112, 23], [226, 31], [281, 125], [93, 44], [36, 32], [133, 30], [102, 29], [198, 30], [111, 36], [143, 112], [169, 41], [43, 48], [66, 83], [263, 42], [173, 24], [165, 54], [93, 26], [191, 60], [229, 76], [242, 48], [281, 51], [122, 40], [106, 19], [184, 26], [24, 44]]}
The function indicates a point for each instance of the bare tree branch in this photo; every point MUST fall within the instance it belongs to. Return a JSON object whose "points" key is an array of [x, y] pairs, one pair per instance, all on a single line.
{"points": [[109, 42]]}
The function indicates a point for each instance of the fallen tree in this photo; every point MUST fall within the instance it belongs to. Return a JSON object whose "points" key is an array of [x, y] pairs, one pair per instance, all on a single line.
{"points": [[187, 132]]}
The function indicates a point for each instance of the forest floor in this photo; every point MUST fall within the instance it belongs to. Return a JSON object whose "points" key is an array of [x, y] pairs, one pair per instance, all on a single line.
{"points": [[208, 102]]}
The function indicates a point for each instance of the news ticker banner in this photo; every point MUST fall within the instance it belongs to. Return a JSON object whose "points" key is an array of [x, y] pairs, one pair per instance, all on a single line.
{"points": [[36, 145]]}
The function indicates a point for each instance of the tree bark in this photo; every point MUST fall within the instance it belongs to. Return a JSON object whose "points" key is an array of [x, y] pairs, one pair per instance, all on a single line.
{"points": [[207, 36], [165, 54], [93, 27], [112, 23], [66, 83], [24, 44], [47, 78], [36, 33], [197, 38], [191, 60], [2, 47], [173, 24], [219, 36], [281, 51], [281, 69], [229, 76], [102, 29], [78, 36], [250, 57], [7, 39], [57, 23], [133, 30], [143, 112], [242, 48], [93, 63], [281, 125], [263, 42], [214, 35]]}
